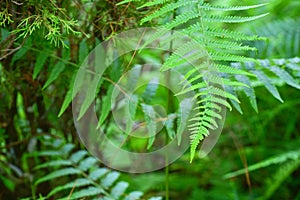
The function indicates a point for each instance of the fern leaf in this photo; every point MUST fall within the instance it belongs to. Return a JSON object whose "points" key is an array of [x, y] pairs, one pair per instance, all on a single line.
{"points": [[235, 104], [98, 173], [182, 18], [54, 163], [58, 173], [77, 156], [268, 84], [133, 195], [83, 193], [231, 19], [87, 163], [285, 76], [278, 159], [279, 177], [207, 6], [231, 70], [170, 7], [119, 189], [195, 140], [73, 184], [109, 179], [154, 3]]}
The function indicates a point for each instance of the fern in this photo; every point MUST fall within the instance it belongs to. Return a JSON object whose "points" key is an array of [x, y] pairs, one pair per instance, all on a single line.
{"points": [[225, 71], [288, 161], [270, 73], [89, 180], [219, 45]]}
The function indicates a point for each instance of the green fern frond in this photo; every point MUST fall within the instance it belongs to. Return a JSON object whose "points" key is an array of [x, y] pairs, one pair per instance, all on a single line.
{"points": [[90, 180], [231, 19], [170, 7], [207, 6]]}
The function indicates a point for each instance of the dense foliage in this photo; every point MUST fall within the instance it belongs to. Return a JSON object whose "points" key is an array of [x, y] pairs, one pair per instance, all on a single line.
{"points": [[250, 52]]}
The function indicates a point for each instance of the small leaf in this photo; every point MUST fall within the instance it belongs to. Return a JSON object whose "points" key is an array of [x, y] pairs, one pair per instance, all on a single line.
{"points": [[134, 195], [105, 106], [249, 91], [89, 97], [150, 90], [149, 115], [58, 173], [83, 50], [77, 156], [87, 163], [84, 193], [39, 64], [119, 189], [98, 173], [73, 184], [55, 72], [285, 76], [54, 163], [183, 116], [109, 179], [268, 84], [169, 124]]}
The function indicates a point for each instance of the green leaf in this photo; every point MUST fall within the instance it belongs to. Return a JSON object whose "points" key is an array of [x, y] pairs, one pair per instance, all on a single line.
{"points": [[54, 163], [149, 115], [285, 76], [39, 64], [77, 156], [105, 106], [87, 163], [249, 91], [83, 51], [169, 124], [73, 184], [118, 190], [134, 195], [98, 173], [183, 117], [69, 96], [84, 193], [150, 90], [109, 179], [132, 107], [55, 72], [89, 97], [278, 159], [22, 51], [268, 84], [58, 173]]}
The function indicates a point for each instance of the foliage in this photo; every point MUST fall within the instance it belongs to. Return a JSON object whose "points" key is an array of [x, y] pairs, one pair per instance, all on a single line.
{"points": [[89, 179], [246, 54]]}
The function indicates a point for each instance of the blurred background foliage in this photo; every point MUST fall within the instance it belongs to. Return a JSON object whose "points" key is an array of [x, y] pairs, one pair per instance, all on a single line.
{"points": [[266, 144]]}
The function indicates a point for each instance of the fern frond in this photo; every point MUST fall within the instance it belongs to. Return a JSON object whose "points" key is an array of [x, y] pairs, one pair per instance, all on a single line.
{"points": [[207, 6], [231, 19], [166, 9], [91, 180]]}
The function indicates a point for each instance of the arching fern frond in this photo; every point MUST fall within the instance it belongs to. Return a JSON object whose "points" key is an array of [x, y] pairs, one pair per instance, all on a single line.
{"points": [[214, 47], [89, 180]]}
